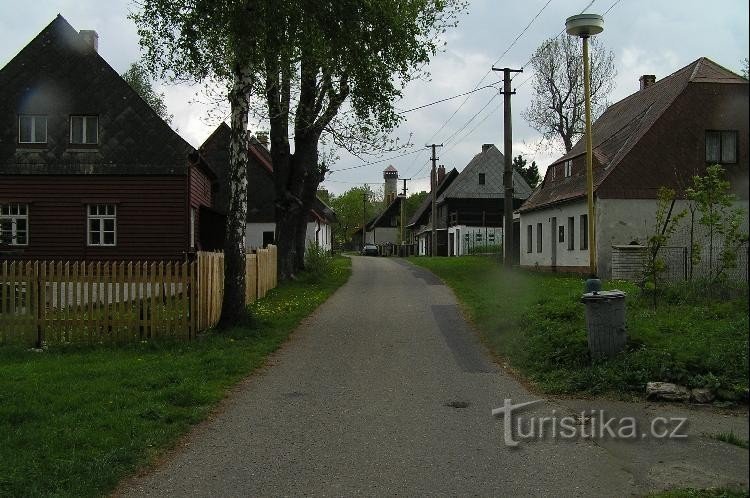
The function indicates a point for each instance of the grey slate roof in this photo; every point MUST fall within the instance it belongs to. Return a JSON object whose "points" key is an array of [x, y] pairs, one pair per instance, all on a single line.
{"points": [[58, 74], [422, 210], [491, 162]]}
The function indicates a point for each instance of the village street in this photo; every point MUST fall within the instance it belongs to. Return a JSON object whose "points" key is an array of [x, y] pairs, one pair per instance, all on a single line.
{"points": [[386, 391]]}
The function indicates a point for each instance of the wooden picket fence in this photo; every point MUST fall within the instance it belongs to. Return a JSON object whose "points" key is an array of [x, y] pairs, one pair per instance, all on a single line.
{"points": [[63, 302], [260, 277]]}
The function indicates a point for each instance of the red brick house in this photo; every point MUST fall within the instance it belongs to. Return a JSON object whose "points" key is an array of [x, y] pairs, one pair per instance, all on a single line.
{"points": [[87, 169], [662, 135]]}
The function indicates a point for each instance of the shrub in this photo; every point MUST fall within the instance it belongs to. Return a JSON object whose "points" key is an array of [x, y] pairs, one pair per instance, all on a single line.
{"points": [[318, 263]]}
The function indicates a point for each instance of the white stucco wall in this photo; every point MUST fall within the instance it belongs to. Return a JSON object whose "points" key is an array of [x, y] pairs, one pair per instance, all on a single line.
{"points": [[564, 256], [618, 222], [321, 237], [489, 236], [382, 235], [254, 234]]}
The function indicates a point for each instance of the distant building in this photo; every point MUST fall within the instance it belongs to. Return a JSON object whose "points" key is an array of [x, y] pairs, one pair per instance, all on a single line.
{"points": [[390, 190]]}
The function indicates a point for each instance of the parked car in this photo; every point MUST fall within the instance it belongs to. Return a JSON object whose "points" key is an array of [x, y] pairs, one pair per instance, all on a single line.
{"points": [[369, 250]]}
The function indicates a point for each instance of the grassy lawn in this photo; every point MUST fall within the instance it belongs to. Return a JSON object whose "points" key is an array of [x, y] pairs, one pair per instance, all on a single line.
{"points": [[76, 420], [535, 322], [701, 493]]}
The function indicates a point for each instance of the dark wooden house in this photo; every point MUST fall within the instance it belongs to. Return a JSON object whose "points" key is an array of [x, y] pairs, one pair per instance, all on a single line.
{"points": [[87, 169], [261, 207]]}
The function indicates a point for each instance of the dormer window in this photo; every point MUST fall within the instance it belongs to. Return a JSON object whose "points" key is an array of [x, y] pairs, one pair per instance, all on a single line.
{"points": [[32, 129], [84, 130], [481, 178], [568, 168]]}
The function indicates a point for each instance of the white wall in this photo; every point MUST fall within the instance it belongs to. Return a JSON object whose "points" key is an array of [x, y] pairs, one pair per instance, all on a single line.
{"points": [[383, 235], [324, 239], [462, 246], [254, 234], [618, 222], [565, 257]]}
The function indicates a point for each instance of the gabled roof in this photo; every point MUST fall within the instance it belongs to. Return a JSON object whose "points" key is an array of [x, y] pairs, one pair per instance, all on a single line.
{"points": [[390, 168], [424, 207], [491, 162], [622, 125], [393, 209], [216, 151], [58, 74]]}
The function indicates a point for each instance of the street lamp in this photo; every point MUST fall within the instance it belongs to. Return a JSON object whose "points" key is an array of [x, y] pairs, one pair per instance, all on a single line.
{"points": [[585, 26]]}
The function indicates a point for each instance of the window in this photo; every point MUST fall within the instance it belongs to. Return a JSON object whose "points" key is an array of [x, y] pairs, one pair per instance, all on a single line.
{"points": [[481, 178], [561, 234], [192, 227], [32, 129], [529, 237], [102, 224], [84, 130], [268, 238], [538, 237], [552, 172], [571, 228], [568, 168], [584, 229], [14, 224], [721, 147]]}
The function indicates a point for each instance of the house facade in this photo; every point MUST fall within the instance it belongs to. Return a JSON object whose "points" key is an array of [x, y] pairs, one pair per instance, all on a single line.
{"points": [[420, 224], [660, 136], [87, 169], [473, 204], [261, 208]]}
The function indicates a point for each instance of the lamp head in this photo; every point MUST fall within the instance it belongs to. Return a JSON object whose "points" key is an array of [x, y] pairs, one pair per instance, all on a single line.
{"points": [[584, 25]]}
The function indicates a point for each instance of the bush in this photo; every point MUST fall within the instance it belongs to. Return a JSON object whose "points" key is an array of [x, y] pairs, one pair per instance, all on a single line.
{"points": [[318, 263]]}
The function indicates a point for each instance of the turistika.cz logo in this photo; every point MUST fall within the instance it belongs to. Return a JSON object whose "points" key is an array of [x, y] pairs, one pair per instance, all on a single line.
{"points": [[592, 424]]}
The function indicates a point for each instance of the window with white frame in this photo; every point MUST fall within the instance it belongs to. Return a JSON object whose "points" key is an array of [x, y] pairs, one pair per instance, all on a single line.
{"points": [[14, 224], [552, 172], [568, 168], [102, 224], [84, 130], [721, 147], [32, 129]]}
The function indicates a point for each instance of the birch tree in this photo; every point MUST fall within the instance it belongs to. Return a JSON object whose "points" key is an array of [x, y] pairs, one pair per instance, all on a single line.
{"points": [[213, 41], [557, 107]]}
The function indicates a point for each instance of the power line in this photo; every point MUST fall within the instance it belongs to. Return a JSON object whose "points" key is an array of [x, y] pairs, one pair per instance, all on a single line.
{"points": [[490, 70], [414, 151], [447, 99]]}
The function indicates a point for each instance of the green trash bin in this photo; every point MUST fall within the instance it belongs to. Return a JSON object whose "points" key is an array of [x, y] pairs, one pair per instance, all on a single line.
{"points": [[605, 322]]}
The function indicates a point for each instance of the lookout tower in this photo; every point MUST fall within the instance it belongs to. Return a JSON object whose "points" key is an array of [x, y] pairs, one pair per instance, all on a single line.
{"points": [[390, 175]]}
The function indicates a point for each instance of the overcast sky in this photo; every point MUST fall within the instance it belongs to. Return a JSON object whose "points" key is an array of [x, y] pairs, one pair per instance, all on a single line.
{"points": [[646, 36]]}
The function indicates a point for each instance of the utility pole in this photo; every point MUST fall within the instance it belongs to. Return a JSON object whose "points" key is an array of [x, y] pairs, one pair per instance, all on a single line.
{"points": [[508, 248], [364, 215], [433, 190], [403, 201]]}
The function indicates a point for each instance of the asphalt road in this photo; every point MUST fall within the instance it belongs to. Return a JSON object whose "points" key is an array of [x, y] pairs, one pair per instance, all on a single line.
{"points": [[383, 391]]}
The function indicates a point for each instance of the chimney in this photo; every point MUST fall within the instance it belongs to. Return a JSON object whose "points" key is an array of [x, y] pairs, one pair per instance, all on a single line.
{"points": [[486, 146], [647, 80], [91, 38], [440, 173]]}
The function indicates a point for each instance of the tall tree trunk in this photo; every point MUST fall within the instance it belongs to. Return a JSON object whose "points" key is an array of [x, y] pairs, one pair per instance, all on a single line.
{"points": [[233, 309]]}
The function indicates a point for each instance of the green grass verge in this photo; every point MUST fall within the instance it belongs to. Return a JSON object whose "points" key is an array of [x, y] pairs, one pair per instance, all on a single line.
{"points": [[535, 322], [76, 420], [732, 438], [701, 493]]}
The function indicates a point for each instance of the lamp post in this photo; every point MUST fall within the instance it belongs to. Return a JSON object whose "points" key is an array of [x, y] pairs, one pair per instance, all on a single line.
{"points": [[585, 26]]}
